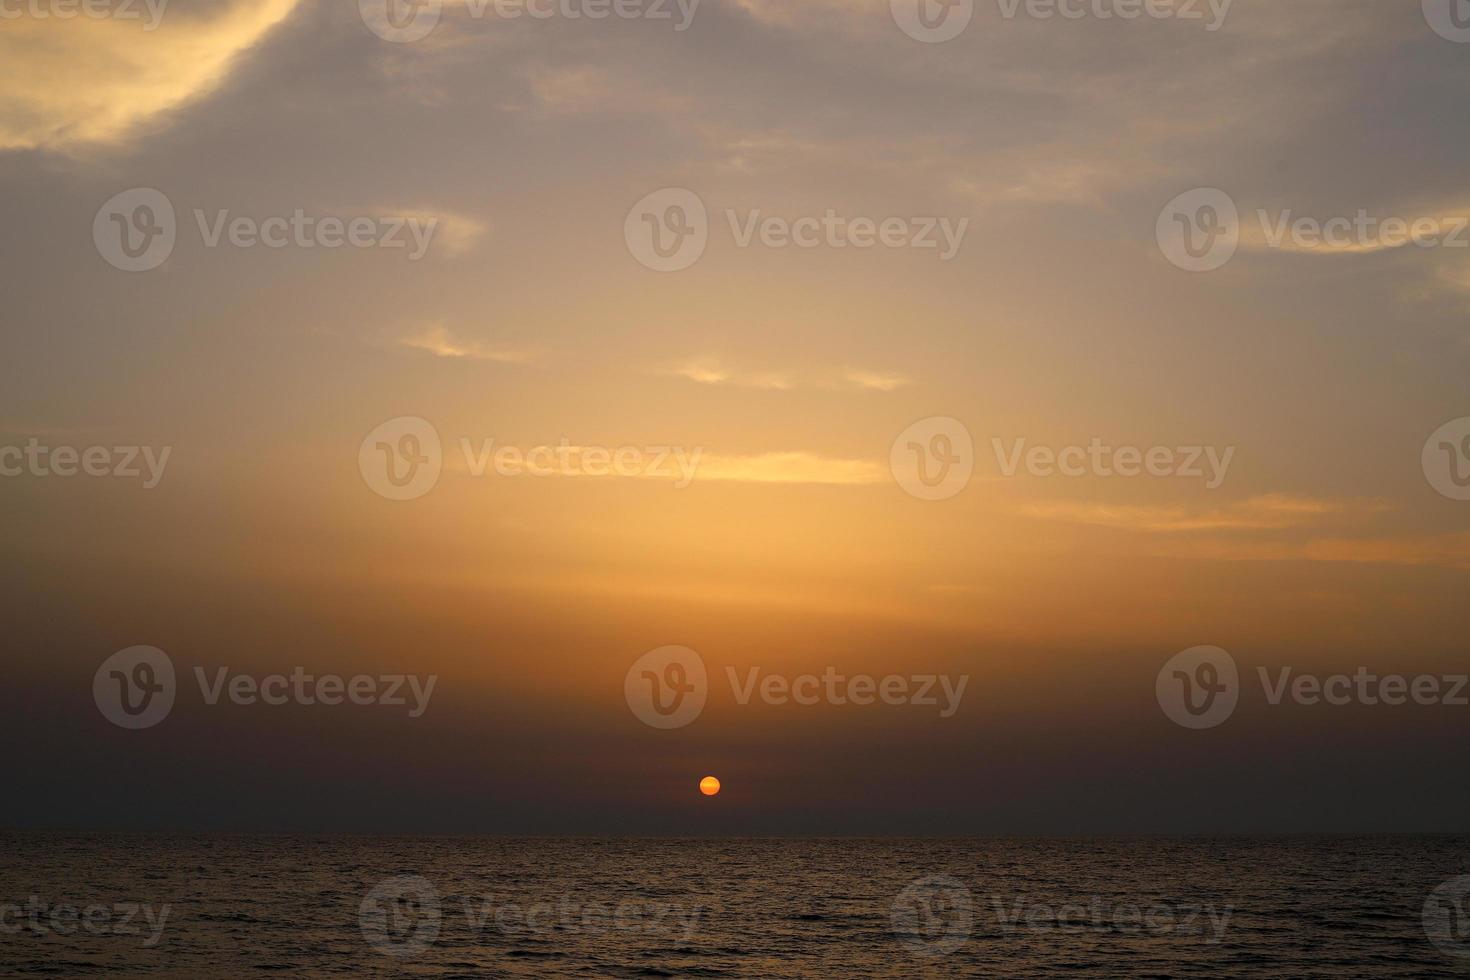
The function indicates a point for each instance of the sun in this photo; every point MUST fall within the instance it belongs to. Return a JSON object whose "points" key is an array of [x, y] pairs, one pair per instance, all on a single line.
{"points": [[709, 786]]}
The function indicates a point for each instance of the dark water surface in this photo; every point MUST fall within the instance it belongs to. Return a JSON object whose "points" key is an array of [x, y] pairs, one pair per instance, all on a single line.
{"points": [[224, 906]]}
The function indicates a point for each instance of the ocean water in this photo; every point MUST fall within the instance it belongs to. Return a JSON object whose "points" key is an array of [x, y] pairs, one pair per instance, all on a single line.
{"points": [[304, 906]]}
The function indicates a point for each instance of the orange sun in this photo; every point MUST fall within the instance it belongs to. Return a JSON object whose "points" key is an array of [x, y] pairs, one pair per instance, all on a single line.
{"points": [[709, 786]]}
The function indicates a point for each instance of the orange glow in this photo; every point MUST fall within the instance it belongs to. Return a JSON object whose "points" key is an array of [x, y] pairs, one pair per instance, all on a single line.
{"points": [[709, 786]]}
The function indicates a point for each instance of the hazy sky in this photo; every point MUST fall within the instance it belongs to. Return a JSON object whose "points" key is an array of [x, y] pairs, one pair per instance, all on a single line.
{"points": [[1049, 148]]}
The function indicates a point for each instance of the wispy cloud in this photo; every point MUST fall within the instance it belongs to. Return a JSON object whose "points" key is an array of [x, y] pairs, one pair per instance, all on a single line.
{"points": [[790, 467], [436, 339], [80, 81], [711, 371], [587, 88], [454, 234], [876, 381], [1448, 550], [708, 371], [1422, 227], [1271, 527], [1260, 513]]}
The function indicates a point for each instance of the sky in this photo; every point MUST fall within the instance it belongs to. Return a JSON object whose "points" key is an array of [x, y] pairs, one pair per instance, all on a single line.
{"points": [[660, 236]]}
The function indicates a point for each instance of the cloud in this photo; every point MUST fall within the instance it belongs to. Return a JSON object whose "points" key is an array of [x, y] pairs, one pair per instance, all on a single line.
{"points": [[790, 467], [79, 81], [694, 465], [1433, 227], [703, 373], [1270, 527], [454, 234], [1261, 513], [1457, 276], [1448, 550], [875, 381], [707, 371], [710, 371], [588, 88], [436, 339]]}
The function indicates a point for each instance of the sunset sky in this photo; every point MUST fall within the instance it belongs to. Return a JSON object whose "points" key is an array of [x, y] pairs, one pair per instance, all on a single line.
{"points": [[530, 321]]}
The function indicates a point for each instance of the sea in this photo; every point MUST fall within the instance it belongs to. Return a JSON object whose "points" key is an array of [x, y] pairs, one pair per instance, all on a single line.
{"points": [[219, 906]]}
